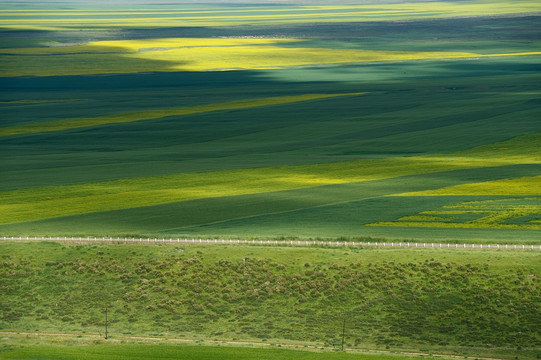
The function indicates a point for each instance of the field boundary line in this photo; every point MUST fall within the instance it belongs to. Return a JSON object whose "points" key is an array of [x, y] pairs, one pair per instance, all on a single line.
{"points": [[290, 210], [380, 244]]}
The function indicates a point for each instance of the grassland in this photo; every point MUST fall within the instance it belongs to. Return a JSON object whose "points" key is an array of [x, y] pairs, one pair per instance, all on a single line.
{"points": [[473, 303], [272, 190], [121, 352]]}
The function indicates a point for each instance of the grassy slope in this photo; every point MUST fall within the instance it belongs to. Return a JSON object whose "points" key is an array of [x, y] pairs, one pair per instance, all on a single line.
{"points": [[483, 300]]}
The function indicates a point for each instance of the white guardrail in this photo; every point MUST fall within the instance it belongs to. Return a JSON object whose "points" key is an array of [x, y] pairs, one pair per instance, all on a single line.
{"points": [[280, 242]]}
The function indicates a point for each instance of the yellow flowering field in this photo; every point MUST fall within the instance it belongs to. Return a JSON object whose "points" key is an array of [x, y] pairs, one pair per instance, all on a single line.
{"points": [[199, 54]]}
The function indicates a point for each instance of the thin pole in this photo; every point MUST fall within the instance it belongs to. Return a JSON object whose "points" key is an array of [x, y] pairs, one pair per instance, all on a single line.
{"points": [[105, 323], [343, 333]]}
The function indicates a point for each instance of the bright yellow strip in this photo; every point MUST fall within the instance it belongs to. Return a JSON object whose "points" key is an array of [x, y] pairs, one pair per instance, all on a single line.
{"points": [[508, 213], [198, 54], [529, 53], [482, 7], [523, 186], [214, 18], [165, 44], [150, 45], [187, 14], [269, 57], [131, 116]]}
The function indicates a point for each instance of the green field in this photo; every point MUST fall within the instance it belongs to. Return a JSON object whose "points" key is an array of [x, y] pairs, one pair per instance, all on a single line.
{"points": [[331, 144], [263, 126]]}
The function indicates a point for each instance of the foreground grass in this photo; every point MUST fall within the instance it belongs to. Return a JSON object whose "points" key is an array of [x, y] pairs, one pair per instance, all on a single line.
{"points": [[437, 300], [183, 352]]}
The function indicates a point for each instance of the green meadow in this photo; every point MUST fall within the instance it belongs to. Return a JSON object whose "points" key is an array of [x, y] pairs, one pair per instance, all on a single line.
{"points": [[184, 352]]}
